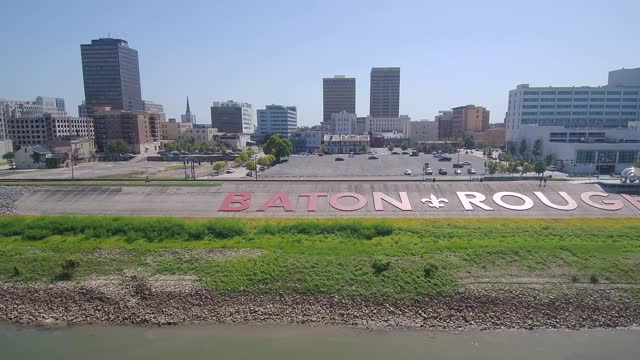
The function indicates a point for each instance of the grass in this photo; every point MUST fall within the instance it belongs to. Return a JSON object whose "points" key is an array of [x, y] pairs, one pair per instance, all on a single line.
{"points": [[109, 183], [392, 259]]}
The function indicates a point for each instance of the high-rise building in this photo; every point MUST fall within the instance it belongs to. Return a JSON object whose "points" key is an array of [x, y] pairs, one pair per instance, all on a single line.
{"points": [[423, 130], [343, 123], [469, 119], [338, 94], [584, 129], [41, 129], [188, 117], [82, 109], [13, 109], [384, 98], [139, 129], [154, 107], [111, 75], [232, 117], [444, 120], [277, 119]]}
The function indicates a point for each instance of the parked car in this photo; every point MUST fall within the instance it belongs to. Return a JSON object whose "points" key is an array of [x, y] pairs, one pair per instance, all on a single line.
{"points": [[414, 153], [405, 153], [339, 159], [373, 157], [458, 166], [249, 173], [466, 163], [230, 171], [394, 153], [471, 171], [552, 168], [444, 158], [428, 171], [407, 172], [261, 168], [434, 153], [442, 171], [457, 171]]}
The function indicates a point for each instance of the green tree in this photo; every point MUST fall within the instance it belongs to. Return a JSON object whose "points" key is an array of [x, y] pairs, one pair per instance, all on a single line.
{"points": [[223, 148], [390, 147], [218, 166], [536, 150], [9, 156], [363, 147], [278, 147], [266, 160], [251, 165], [404, 146], [492, 167], [539, 167], [117, 147], [234, 147], [503, 168], [249, 152], [527, 168], [323, 149], [636, 164]]}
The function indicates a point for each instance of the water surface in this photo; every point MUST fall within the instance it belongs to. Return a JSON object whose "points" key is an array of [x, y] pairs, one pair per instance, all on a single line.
{"points": [[268, 342]]}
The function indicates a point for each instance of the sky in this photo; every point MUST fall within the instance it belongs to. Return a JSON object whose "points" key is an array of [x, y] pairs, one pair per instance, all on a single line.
{"points": [[450, 53]]}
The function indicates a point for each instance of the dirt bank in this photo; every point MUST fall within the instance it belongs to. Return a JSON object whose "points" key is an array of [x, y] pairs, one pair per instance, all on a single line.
{"points": [[140, 302]]}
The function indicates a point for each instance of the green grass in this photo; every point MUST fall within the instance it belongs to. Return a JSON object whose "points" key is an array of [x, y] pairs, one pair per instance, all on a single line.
{"points": [[392, 259], [109, 183]]}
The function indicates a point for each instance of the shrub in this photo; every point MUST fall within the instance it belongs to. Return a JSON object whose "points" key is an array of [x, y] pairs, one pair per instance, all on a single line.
{"points": [[574, 278], [594, 279], [379, 266], [226, 229], [69, 268], [197, 232], [16, 272], [36, 234], [430, 269]]}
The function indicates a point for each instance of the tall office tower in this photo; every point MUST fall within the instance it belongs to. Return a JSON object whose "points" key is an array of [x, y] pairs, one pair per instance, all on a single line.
{"points": [[277, 119], [338, 94], [384, 99], [469, 119], [111, 75], [82, 109], [188, 117], [232, 117]]}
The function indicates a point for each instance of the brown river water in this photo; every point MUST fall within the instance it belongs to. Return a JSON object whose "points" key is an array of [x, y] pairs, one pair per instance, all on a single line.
{"points": [[268, 342]]}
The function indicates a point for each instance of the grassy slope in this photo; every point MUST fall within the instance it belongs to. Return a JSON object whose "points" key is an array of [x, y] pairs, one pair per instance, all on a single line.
{"points": [[325, 256], [124, 182]]}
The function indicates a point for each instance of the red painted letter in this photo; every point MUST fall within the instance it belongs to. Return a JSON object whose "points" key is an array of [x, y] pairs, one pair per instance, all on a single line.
{"points": [[239, 198], [277, 200], [313, 199], [360, 203], [403, 204]]}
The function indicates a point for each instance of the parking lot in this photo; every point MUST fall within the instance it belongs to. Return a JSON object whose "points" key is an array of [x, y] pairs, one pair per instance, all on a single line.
{"points": [[387, 166]]}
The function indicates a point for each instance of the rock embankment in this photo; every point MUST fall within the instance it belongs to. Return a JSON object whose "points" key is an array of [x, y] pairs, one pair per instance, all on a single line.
{"points": [[136, 302], [9, 194]]}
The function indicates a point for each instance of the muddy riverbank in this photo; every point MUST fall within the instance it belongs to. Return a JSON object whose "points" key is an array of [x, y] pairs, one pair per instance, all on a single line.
{"points": [[136, 302]]}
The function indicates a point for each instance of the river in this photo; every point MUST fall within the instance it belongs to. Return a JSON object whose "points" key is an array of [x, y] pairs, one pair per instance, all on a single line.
{"points": [[268, 342]]}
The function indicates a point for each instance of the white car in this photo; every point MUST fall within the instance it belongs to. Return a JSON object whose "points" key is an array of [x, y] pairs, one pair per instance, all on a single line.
{"points": [[457, 171], [230, 171], [407, 172], [428, 171]]}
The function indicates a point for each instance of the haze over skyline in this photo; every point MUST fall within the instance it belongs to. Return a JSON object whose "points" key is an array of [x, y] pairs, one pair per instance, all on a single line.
{"points": [[278, 52]]}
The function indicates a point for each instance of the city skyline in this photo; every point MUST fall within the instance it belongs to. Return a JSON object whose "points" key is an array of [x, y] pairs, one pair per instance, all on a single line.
{"points": [[467, 65]]}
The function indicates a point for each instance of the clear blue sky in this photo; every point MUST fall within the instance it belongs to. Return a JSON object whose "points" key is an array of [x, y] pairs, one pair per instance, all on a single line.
{"points": [[450, 53]]}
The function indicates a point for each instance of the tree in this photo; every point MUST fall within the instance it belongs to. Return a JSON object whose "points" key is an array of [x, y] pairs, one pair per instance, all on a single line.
{"points": [[218, 166], [249, 152], [234, 147], [278, 147], [527, 168], [539, 167], [266, 160], [492, 167], [9, 156], [404, 146], [251, 165], [636, 164], [363, 147], [503, 167], [223, 148], [513, 167], [117, 147], [390, 147], [322, 149], [537, 148], [522, 150]]}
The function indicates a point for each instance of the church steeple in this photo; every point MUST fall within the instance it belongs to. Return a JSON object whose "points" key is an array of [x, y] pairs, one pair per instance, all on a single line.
{"points": [[188, 109], [188, 117]]}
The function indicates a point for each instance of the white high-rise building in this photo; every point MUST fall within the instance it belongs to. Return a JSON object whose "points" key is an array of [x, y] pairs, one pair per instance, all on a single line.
{"points": [[232, 117], [584, 129], [277, 119], [343, 123]]}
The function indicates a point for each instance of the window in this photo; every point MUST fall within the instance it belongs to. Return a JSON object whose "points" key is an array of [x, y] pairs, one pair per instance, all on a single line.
{"points": [[597, 100], [580, 106], [613, 99], [627, 156], [580, 99], [563, 100], [628, 113], [532, 93], [585, 157], [613, 106], [596, 106], [547, 106], [630, 93], [548, 93], [629, 106], [580, 93], [525, 113], [529, 121], [613, 92], [597, 93], [629, 100], [529, 106], [548, 100], [565, 92], [563, 113], [531, 100], [563, 106], [579, 113], [591, 113]]}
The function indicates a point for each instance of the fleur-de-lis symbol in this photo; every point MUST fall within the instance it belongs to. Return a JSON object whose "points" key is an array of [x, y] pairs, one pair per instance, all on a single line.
{"points": [[435, 202]]}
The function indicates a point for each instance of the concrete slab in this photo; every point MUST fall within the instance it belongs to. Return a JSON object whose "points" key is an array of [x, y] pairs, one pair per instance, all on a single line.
{"points": [[336, 199]]}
